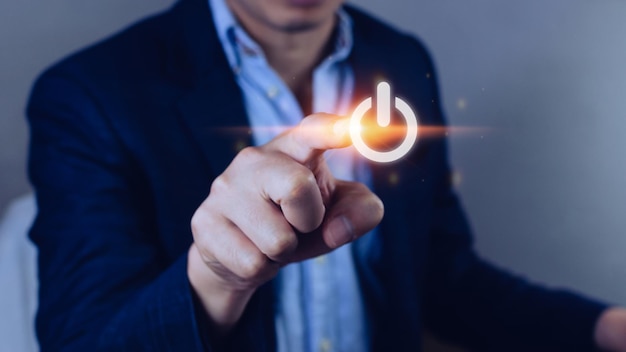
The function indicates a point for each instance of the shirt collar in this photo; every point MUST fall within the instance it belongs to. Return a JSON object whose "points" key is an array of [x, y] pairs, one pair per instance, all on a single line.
{"points": [[236, 41]]}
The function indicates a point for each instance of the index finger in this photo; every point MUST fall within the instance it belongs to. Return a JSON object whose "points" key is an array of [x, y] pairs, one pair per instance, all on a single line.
{"points": [[315, 134]]}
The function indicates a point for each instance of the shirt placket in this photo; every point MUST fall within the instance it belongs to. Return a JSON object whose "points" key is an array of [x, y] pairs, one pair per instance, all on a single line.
{"points": [[315, 279]]}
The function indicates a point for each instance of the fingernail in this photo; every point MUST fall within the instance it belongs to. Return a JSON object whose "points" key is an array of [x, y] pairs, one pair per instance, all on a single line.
{"points": [[340, 231]]}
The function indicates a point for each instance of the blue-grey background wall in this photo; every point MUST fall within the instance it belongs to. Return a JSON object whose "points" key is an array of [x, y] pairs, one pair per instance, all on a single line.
{"points": [[545, 186], [33, 35], [543, 183]]}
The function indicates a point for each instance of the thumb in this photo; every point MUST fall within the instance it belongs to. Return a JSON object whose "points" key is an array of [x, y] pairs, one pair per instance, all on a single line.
{"points": [[355, 211]]}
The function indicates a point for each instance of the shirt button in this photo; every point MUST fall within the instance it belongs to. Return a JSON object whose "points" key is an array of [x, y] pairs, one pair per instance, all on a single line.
{"points": [[248, 51], [272, 92], [325, 345]]}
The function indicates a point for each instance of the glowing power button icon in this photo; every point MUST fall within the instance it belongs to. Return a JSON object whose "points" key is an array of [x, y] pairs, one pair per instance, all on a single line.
{"points": [[383, 118]]}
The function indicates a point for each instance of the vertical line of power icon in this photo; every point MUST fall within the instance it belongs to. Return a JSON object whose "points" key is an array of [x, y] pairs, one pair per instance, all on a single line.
{"points": [[383, 119]]}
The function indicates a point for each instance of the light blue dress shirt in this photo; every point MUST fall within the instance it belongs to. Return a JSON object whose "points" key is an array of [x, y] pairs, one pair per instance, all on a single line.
{"points": [[319, 305]]}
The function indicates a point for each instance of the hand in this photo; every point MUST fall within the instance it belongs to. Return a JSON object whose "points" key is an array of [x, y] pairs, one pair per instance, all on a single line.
{"points": [[610, 331], [275, 204]]}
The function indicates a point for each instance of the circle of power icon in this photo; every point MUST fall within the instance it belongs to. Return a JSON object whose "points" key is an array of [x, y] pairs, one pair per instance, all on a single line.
{"points": [[383, 118]]}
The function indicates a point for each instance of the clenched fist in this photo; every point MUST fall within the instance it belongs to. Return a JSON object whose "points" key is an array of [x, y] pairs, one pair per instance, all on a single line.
{"points": [[274, 205]]}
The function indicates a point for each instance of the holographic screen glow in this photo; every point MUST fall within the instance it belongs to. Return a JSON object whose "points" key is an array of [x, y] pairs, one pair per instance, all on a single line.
{"points": [[383, 118]]}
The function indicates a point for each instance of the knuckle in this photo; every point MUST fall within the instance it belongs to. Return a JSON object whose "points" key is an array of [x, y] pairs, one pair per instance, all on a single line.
{"points": [[281, 245], [220, 184], [201, 238], [249, 154], [202, 225], [204, 217], [196, 223], [299, 183], [251, 265], [200, 222], [225, 181]]}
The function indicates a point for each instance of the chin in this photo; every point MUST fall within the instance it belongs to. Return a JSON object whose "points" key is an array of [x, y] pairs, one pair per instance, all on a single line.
{"points": [[303, 15], [289, 15], [299, 25], [306, 3]]}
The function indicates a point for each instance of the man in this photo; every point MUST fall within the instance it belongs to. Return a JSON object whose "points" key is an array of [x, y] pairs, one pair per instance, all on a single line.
{"points": [[142, 134]]}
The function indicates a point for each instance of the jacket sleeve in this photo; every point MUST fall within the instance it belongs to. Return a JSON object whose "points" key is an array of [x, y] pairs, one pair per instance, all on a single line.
{"points": [[104, 283], [473, 303]]}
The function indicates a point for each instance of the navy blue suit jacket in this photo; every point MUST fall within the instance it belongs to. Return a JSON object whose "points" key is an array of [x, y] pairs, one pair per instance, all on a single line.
{"points": [[126, 138]]}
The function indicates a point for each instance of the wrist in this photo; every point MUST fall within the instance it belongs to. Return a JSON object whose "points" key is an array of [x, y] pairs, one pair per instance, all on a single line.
{"points": [[223, 303]]}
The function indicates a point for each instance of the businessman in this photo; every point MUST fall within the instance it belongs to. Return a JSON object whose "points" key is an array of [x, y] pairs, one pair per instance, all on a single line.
{"points": [[187, 204]]}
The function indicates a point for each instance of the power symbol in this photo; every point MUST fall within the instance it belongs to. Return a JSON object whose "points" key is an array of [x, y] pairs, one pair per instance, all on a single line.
{"points": [[383, 118]]}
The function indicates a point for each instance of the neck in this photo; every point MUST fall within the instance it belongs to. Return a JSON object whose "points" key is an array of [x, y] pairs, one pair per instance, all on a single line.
{"points": [[292, 54]]}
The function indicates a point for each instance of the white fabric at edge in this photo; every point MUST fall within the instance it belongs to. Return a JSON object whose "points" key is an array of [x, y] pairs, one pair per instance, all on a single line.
{"points": [[18, 277]]}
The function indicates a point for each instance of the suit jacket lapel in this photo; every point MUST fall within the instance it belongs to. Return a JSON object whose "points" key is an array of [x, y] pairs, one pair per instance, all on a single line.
{"points": [[212, 107], [215, 115]]}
